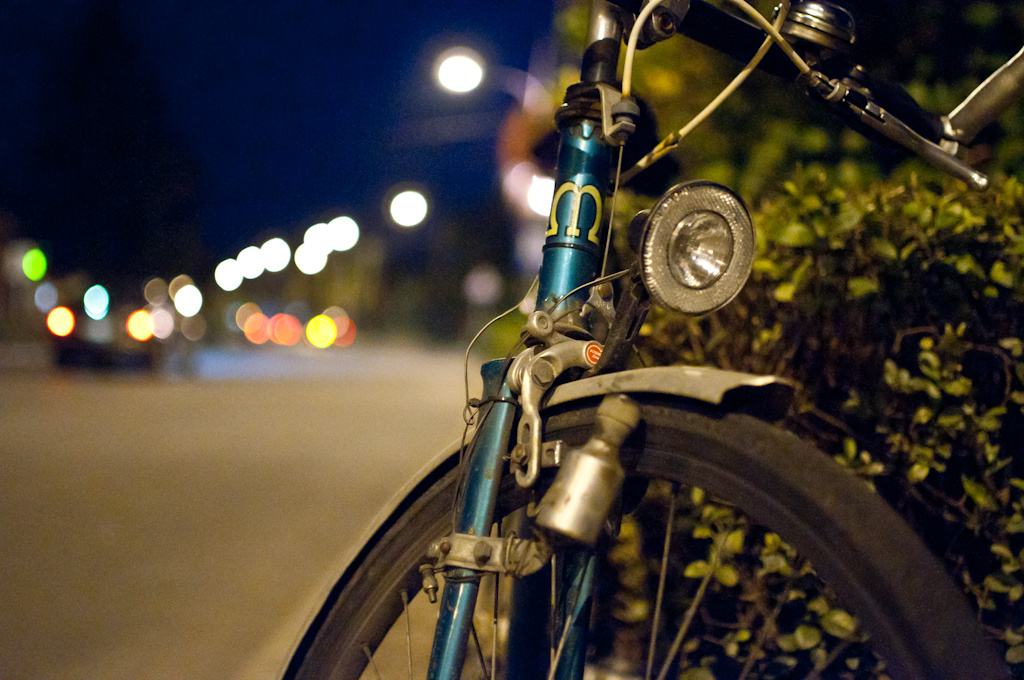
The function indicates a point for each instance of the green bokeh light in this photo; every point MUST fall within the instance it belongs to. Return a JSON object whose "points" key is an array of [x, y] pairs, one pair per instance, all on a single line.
{"points": [[34, 264]]}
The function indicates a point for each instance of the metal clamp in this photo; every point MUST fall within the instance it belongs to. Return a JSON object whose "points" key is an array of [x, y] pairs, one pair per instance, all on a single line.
{"points": [[618, 115], [530, 376], [512, 555]]}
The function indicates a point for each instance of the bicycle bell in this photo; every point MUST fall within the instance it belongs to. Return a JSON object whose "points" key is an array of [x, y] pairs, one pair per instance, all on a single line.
{"points": [[697, 247], [820, 24]]}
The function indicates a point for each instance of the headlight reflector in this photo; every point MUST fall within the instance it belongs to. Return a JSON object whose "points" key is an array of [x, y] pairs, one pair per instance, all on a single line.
{"points": [[697, 248]]}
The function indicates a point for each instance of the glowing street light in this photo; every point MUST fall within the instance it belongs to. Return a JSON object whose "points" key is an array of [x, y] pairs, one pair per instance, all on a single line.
{"points": [[61, 321], [251, 262], [460, 69], [409, 208], [45, 297], [344, 233], [276, 254], [228, 275], [33, 264], [97, 302], [188, 300], [310, 258]]}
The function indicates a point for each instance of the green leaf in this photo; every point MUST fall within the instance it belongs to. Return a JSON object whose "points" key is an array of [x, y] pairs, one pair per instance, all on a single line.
{"points": [[1015, 654], [785, 292], [807, 637], [775, 563], [839, 623], [918, 472], [697, 495], [923, 415], [1000, 276], [795, 235], [860, 286], [734, 541], [699, 673], [884, 249], [1000, 583], [786, 643], [1012, 345], [958, 387], [978, 493], [727, 575], [697, 569]]}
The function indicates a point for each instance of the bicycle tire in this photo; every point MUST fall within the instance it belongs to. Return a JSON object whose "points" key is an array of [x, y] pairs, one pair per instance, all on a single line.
{"points": [[919, 622]]}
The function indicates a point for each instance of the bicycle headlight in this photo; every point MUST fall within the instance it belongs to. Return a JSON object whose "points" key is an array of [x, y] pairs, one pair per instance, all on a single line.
{"points": [[697, 248]]}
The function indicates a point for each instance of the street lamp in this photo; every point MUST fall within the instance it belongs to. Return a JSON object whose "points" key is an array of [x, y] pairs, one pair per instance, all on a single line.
{"points": [[409, 208], [459, 69]]}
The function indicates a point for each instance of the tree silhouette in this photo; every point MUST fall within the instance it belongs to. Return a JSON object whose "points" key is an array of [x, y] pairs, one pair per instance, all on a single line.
{"points": [[106, 185]]}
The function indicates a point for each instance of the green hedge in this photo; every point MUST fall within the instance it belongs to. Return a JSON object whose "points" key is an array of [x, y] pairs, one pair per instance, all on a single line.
{"points": [[899, 310]]}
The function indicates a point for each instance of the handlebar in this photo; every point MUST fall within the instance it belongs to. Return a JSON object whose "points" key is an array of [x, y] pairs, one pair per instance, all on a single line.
{"points": [[867, 102], [989, 100]]}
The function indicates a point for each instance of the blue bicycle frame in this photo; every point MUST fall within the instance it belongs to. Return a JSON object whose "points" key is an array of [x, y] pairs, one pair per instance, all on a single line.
{"points": [[575, 238]]}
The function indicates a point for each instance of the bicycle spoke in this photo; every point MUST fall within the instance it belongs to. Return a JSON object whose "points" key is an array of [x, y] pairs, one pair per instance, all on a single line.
{"points": [[408, 630], [494, 629], [479, 651], [569, 621], [659, 599], [692, 610], [369, 657], [552, 612]]}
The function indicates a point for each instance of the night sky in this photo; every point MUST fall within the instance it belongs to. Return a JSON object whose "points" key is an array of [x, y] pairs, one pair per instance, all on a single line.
{"points": [[246, 119]]}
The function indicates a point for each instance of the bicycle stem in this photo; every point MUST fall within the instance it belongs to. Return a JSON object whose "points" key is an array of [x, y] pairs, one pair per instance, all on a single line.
{"points": [[572, 257], [576, 227]]}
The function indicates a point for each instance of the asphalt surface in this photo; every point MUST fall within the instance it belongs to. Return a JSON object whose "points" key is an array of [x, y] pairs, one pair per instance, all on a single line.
{"points": [[187, 527]]}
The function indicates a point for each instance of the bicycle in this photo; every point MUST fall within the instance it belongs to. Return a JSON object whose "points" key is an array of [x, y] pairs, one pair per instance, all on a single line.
{"points": [[567, 440]]}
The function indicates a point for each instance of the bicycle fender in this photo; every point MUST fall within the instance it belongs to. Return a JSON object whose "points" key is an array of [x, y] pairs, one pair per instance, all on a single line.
{"points": [[765, 396]]}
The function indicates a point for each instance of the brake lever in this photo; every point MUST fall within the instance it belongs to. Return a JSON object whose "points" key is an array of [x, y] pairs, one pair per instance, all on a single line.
{"points": [[859, 107]]}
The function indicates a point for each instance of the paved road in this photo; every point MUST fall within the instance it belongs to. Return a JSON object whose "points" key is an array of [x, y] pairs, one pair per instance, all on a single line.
{"points": [[155, 528]]}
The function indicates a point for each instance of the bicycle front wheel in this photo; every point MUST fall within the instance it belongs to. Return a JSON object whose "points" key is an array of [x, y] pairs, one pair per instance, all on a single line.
{"points": [[863, 554]]}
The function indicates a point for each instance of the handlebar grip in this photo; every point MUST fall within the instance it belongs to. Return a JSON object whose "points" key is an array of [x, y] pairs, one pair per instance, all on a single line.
{"points": [[988, 101]]}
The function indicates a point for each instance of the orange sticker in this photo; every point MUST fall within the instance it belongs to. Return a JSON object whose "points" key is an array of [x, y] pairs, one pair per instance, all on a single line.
{"points": [[593, 353]]}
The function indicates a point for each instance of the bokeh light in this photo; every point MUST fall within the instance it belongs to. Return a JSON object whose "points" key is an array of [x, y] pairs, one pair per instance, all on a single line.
{"points": [[33, 264], [96, 302], [256, 328], [321, 331], [45, 297], [188, 301], [155, 291], [276, 254], [540, 194], [285, 329], [244, 312], [138, 325], [250, 260], [177, 283], [346, 331], [161, 323], [319, 237], [460, 69], [310, 258], [344, 233], [228, 275], [409, 208], [193, 327], [482, 285], [60, 321]]}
